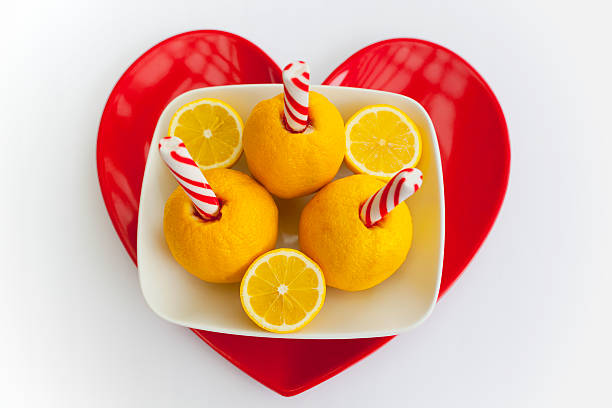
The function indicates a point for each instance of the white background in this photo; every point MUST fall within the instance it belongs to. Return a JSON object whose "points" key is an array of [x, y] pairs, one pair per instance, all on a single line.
{"points": [[528, 324]]}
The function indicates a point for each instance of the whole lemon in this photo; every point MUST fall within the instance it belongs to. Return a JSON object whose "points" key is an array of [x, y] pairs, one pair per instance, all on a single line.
{"points": [[221, 250], [351, 255], [290, 164]]}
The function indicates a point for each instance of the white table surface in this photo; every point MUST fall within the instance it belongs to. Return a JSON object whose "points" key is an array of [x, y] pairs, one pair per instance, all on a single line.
{"points": [[527, 325]]}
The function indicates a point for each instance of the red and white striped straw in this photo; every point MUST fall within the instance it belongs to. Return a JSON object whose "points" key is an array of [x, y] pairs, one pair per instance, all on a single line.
{"points": [[404, 184], [296, 82], [190, 177]]}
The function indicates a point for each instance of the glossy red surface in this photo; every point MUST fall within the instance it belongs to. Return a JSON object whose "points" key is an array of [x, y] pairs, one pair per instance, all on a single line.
{"points": [[470, 126], [471, 131], [172, 67]]}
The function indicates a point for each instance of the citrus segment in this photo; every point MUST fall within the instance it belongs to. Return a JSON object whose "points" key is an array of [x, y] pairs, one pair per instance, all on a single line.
{"points": [[381, 140], [211, 131], [283, 290]]}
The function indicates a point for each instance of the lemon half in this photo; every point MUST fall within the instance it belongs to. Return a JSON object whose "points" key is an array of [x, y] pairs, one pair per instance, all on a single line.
{"points": [[283, 290], [211, 131], [381, 140]]}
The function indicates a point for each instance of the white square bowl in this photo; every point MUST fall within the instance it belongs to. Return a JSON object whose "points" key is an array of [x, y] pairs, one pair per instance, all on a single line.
{"points": [[398, 304]]}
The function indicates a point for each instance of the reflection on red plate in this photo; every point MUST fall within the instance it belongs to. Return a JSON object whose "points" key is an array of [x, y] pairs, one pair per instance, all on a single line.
{"points": [[174, 66], [470, 126]]}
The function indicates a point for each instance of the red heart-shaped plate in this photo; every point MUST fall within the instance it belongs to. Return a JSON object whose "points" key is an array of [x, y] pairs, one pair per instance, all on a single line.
{"points": [[471, 131]]}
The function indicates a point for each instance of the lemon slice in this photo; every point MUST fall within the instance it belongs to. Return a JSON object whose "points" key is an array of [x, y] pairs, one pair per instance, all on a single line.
{"points": [[283, 290], [381, 140], [211, 131]]}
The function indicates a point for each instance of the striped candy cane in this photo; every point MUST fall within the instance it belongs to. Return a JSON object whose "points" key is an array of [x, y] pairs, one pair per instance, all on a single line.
{"points": [[190, 177], [404, 184], [296, 81]]}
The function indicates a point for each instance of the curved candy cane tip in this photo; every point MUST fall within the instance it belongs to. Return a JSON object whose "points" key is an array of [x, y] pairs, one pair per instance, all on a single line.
{"points": [[189, 176], [296, 86], [401, 186]]}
